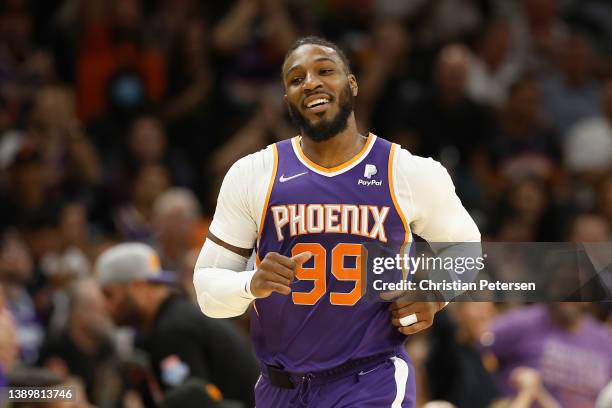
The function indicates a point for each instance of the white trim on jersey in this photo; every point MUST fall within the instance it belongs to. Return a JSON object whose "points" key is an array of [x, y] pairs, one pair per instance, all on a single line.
{"points": [[401, 377], [343, 168]]}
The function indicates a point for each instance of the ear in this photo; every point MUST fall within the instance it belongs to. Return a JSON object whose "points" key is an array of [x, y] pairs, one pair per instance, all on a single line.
{"points": [[353, 84]]}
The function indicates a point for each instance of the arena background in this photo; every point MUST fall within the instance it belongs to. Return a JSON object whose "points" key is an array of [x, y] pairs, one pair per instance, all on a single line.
{"points": [[118, 120]]}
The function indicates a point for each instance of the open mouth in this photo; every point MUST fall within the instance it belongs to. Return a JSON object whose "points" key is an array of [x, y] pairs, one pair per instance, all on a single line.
{"points": [[317, 103]]}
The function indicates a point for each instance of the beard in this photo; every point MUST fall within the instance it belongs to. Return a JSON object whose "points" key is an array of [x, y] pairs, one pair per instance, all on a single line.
{"points": [[325, 129], [128, 313]]}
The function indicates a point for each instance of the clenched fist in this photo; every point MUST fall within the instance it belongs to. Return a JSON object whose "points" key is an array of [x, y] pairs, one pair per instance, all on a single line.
{"points": [[275, 274]]}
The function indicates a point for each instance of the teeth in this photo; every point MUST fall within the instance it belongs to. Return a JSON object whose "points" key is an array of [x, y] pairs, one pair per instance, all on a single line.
{"points": [[317, 102]]}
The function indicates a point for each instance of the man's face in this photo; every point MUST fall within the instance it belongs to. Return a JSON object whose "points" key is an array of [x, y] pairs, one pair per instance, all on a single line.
{"points": [[121, 305], [319, 91]]}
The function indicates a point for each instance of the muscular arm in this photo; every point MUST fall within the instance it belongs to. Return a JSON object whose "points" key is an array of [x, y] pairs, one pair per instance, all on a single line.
{"points": [[222, 288], [220, 280]]}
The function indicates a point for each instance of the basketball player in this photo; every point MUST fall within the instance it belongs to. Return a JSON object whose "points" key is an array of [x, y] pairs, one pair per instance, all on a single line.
{"points": [[305, 205]]}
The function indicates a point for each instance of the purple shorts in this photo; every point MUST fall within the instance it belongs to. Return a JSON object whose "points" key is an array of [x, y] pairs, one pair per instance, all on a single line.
{"points": [[388, 383]]}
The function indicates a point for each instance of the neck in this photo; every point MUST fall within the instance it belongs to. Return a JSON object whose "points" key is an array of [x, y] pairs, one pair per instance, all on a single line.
{"points": [[336, 150]]}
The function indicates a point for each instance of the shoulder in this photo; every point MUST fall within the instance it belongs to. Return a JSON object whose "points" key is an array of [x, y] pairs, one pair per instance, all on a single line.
{"points": [[254, 164], [417, 169]]}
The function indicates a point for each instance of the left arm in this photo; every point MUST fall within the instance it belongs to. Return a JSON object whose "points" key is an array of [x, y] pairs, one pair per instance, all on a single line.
{"points": [[426, 193]]}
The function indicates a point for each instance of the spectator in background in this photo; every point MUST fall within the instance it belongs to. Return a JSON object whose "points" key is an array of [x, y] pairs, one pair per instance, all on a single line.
{"points": [[133, 218], [181, 342], [23, 66], [449, 124], [491, 71], [456, 372], [385, 86], [526, 213], [25, 193], [72, 162], [571, 92], [74, 231], [9, 347], [569, 349], [193, 98], [84, 348], [115, 66], [146, 144], [15, 272], [252, 38], [179, 230], [66, 263], [524, 145], [588, 144], [438, 23], [538, 33]]}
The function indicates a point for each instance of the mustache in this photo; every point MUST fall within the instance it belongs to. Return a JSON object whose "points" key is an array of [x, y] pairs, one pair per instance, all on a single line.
{"points": [[325, 129]]}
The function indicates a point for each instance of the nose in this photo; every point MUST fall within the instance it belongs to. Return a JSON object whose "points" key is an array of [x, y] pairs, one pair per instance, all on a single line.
{"points": [[311, 82]]}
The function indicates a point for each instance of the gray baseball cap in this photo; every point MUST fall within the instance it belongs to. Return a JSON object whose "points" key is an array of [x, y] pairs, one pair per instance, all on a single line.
{"points": [[131, 262]]}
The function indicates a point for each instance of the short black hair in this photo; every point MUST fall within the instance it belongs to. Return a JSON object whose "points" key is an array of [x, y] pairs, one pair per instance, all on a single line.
{"points": [[314, 40]]}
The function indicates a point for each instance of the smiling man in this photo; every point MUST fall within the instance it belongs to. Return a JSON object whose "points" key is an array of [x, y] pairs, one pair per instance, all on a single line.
{"points": [[306, 205]]}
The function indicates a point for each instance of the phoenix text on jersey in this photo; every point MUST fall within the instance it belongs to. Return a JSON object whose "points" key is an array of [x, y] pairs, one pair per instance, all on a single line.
{"points": [[352, 219]]}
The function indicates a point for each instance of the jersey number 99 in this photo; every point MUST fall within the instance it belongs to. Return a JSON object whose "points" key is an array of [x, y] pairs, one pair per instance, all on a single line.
{"points": [[317, 273]]}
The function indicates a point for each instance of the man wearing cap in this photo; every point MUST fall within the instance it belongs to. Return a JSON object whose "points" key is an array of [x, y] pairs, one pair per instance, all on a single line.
{"points": [[181, 341]]}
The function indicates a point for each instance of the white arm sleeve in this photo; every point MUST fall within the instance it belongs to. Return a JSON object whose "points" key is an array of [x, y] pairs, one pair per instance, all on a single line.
{"points": [[222, 289], [241, 199], [426, 195]]}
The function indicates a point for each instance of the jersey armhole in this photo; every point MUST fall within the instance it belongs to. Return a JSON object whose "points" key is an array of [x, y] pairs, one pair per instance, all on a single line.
{"points": [[398, 208], [264, 210]]}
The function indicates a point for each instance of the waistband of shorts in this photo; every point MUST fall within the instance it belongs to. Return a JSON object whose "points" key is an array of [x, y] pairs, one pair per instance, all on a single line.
{"points": [[285, 379]]}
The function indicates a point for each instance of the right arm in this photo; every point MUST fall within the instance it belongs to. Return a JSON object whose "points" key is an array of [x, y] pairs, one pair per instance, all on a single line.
{"points": [[223, 288]]}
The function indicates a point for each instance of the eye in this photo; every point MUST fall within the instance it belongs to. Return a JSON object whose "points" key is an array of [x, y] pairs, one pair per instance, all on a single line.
{"points": [[295, 80], [326, 71]]}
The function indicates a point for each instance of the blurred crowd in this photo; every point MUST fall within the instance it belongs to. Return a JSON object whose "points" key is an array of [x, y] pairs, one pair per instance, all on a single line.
{"points": [[119, 118]]}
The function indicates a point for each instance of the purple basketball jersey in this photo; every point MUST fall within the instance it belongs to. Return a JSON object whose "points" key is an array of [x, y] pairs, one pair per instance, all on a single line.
{"points": [[325, 322]]}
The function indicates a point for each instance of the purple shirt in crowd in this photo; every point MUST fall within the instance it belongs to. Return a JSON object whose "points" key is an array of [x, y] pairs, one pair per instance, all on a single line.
{"points": [[575, 366]]}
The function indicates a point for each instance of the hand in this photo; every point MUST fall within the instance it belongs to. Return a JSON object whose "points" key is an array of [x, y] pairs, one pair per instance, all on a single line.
{"points": [[525, 379], [424, 311], [275, 274]]}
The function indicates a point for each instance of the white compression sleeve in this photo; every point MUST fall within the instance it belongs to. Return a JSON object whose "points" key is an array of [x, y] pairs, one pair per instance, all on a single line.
{"points": [[222, 288]]}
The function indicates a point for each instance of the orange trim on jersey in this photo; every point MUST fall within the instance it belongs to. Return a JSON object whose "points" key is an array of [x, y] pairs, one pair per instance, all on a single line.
{"points": [[358, 156], [394, 198], [266, 202]]}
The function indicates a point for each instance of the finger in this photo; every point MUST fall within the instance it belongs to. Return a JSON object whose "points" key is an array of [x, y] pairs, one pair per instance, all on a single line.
{"points": [[278, 269], [415, 328], [401, 321], [278, 278], [279, 288], [302, 257], [399, 305], [285, 261], [406, 310]]}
